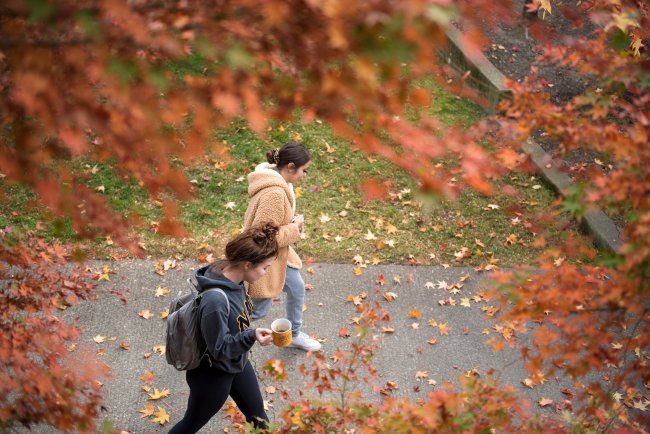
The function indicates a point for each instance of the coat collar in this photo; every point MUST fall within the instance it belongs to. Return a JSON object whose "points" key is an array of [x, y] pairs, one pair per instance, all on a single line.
{"points": [[270, 169]]}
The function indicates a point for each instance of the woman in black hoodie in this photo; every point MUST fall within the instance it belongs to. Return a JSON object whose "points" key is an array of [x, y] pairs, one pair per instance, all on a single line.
{"points": [[226, 370]]}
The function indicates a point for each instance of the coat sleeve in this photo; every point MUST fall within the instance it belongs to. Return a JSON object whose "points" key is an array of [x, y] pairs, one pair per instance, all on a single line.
{"points": [[271, 208], [222, 344]]}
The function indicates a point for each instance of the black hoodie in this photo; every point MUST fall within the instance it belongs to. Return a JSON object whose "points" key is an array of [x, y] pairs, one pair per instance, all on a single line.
{"points": [[228, 337]]}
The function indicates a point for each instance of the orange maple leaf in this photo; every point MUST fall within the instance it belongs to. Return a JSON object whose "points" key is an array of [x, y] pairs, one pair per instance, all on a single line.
{"points": [[415, 313], [147, 377]]}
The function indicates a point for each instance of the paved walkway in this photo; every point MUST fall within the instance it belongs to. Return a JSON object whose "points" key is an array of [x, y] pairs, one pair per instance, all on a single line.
{"points": [[401, 355]]}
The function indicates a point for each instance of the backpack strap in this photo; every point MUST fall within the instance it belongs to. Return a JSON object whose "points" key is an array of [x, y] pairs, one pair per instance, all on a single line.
{"points": [[217, 290], [195, 287]]}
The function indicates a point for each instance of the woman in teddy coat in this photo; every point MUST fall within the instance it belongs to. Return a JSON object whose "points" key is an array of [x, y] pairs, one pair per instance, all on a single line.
{"points": [[270, 189]]}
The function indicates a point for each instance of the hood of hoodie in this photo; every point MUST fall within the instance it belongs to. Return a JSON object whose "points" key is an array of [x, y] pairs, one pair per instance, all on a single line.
{"points": [[265, 176], [206, 280]]}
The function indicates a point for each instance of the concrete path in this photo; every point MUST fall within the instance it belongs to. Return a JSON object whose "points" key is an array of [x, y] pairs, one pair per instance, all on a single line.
{"points": [[401, 354]]}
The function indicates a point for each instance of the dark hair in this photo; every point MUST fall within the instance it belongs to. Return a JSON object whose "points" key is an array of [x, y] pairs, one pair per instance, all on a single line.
{"points": [[255, 245], [292, 152]]}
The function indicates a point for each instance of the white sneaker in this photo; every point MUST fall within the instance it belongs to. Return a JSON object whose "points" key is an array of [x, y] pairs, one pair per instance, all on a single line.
{"points": [[304, 342]]}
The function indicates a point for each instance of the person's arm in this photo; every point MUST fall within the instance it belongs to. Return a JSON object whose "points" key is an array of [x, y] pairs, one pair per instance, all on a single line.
{"points": [[221, 343], [271, 208]]}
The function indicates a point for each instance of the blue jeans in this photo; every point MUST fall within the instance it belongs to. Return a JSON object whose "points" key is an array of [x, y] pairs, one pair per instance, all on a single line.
{"points": [[294, 286]]}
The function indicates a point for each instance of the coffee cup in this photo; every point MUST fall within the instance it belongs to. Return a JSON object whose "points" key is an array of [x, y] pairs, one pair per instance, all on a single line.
{"points": [[281, 331]]}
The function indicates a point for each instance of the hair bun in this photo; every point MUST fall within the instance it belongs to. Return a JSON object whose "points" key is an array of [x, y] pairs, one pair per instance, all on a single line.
{"points": [[264, 233], [273, 156]]}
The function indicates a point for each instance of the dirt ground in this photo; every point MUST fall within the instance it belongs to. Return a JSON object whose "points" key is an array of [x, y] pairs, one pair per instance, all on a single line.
{"points": [[513, 50], [513, 53]]}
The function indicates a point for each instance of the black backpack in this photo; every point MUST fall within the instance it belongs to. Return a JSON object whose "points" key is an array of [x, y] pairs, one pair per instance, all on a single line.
{"points": [[185, 346]]}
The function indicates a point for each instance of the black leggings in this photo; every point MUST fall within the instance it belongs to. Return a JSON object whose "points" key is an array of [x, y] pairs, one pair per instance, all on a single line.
{"points": [[209, 389]]}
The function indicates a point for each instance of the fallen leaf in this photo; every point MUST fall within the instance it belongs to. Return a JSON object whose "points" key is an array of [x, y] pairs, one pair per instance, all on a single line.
{"points": [[465, 302], [145, 313], [161, 416], [344, 333], [147, 410], [415, 313], [544, 402], [161, 291], [147, 377], [370, 236], [270, 389], [124, 345], [158, 394], [388, 330], [443, 328], [390, 296], [99, 339], [160, 349], [421, 375]]}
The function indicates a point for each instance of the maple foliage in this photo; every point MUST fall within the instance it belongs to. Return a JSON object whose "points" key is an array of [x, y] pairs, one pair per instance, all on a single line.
{"points": [[340, 405], [43, 377], [96, 79], [592, 307]]}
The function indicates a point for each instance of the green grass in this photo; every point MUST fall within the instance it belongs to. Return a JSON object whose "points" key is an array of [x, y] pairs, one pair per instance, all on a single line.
{"points": [[408, 227]]}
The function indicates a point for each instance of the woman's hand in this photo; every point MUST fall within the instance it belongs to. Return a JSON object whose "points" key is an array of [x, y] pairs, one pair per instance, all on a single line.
{"points": [[299, 220], [263, 336]]}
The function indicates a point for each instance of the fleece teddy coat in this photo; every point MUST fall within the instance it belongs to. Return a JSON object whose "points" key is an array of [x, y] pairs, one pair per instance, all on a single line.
{"points": [[272, 199]]}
